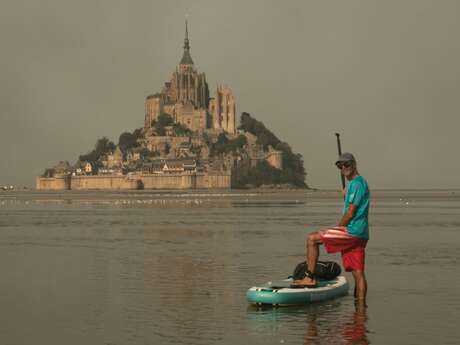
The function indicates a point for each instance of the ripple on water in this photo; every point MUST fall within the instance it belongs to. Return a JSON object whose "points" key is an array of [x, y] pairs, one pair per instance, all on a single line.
{"points": [[156, 268]]}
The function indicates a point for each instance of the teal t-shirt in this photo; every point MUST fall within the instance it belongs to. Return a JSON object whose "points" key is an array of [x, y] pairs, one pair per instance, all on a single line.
{"points": [[358, 195]]}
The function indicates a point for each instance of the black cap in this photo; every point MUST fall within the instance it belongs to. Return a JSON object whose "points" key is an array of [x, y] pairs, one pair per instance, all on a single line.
{"points": [[346, 157]]}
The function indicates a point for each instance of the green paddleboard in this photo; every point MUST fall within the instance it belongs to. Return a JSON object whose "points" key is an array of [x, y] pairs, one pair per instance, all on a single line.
{"points": [[279, 293]]}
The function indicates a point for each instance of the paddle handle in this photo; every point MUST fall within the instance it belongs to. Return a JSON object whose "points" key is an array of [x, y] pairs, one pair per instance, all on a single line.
{"points": [[339, 149]]}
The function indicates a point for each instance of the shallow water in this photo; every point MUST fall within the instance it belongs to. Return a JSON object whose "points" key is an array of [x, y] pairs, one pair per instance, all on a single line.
{"points": [[162, 268]]}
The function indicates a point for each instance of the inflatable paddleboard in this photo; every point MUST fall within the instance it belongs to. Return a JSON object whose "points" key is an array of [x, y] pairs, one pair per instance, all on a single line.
{"points": [[280, 293]]}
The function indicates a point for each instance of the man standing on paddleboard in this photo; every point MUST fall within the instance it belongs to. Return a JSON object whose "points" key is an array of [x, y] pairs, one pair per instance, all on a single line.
{"points": [[349, 236]]}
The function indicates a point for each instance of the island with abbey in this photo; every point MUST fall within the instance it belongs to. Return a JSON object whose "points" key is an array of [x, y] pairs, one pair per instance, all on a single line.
{"points": [[190, 140]]}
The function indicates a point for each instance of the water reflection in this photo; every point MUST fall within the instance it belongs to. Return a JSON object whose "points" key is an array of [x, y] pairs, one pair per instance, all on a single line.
{"points": [[333, 322], [355, 331]]}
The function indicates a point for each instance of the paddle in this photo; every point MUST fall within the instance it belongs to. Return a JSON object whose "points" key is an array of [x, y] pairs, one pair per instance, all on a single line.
{"points": [[339, 148]]}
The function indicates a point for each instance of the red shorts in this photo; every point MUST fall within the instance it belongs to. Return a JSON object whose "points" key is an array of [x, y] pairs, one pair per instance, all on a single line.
{"points": [[337, 239]]}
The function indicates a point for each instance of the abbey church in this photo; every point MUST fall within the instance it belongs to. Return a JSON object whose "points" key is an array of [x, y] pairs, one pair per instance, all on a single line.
{"points": [[189, 141], [186, 99]]}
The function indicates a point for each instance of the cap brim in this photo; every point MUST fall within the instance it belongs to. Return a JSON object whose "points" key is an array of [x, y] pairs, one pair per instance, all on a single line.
{"points": [[340, 161]]}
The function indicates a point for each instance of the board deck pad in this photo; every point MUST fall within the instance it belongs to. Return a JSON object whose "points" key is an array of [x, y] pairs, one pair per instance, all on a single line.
{"points": [[286, 283]]}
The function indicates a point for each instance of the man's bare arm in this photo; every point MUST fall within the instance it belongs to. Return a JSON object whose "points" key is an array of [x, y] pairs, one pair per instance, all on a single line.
{"points": [[347, 217]]}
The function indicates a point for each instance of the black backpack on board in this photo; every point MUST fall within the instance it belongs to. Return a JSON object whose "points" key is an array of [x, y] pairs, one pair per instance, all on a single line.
{"points": [[324, 270]]}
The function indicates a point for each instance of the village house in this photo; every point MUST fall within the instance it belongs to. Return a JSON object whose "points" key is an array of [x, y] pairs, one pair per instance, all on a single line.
{"points": [[134, 154], [183, 150], [155, 167], [115, 159], [88, 168], [169, 166]]}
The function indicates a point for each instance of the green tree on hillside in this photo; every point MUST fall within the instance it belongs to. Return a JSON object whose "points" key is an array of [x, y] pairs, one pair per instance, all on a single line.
{"points": [[264, 136], [161, 122], [293, 170], [262, 173], [127, 141], [102, 147], [225, 145], [138, 133], [181, 130]]}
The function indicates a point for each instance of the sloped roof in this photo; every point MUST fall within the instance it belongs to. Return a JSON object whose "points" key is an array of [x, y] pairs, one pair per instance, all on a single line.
{"points": [[186, 58]]}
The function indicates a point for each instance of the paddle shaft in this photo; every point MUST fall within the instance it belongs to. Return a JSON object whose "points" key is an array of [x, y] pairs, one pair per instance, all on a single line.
{"points": [[339, 149]]}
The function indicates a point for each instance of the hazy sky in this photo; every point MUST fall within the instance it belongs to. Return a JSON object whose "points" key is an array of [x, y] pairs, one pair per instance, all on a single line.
{"points": [[385, 74]]}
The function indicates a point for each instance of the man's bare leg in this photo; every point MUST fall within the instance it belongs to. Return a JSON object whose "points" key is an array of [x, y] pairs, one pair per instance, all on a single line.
{"points": [[360, 284], [312, 246]]}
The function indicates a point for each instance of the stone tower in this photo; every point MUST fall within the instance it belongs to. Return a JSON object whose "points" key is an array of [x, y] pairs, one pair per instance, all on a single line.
{"points": [[186, 98], [223, 109]]}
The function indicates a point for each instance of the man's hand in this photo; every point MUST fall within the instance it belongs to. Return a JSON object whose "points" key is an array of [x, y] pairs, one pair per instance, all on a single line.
{"points": [[347, 217]]}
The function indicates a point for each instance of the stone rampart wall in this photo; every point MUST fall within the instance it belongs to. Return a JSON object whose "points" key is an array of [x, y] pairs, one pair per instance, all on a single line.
{"points": [[109, 182], [216, 181], [52, 183], [186, 181], [145, 181], [167, 181]]}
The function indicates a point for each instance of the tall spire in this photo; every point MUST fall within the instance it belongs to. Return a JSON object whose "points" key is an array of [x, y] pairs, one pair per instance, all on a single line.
{"points": [[186, 58], [186, 30]]}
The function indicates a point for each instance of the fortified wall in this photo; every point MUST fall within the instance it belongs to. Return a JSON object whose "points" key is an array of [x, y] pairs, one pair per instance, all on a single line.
{"points": [[53, 183], [186, 181], [101, 182], [143, 181]]}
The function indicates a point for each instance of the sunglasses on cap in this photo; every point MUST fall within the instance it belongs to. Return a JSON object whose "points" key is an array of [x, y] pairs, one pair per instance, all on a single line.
{"points": [[344, 165]]}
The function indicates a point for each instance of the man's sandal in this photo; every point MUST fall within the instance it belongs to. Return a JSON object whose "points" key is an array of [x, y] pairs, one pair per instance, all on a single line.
{"points": [[309, 286]]}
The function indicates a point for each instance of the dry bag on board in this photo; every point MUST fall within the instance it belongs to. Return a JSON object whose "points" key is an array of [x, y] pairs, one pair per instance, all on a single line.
{"points": [[325, 270]]}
